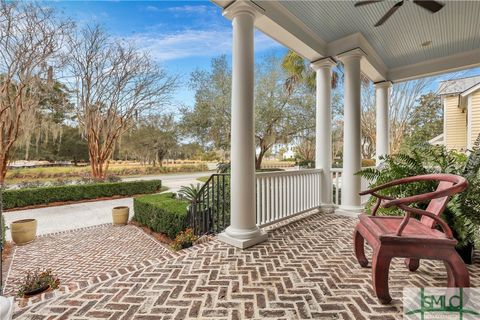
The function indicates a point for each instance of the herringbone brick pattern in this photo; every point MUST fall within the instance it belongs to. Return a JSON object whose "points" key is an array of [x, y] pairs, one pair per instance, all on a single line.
{"points": [[306, 270], [79, 255]]}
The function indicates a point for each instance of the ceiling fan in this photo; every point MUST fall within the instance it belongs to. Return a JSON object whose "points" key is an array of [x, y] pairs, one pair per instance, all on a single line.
{"points": [[432, 6]]}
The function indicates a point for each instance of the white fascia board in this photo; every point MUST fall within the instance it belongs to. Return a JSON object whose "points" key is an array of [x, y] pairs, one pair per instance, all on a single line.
{"points": [[470, 90], [372, 65], [459, 61], [289, 40], [280, 16]]}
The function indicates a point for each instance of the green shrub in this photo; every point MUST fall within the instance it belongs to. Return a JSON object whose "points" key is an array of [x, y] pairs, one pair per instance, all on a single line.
{"points": [[3, 230], [162, 213], [44, 195]]}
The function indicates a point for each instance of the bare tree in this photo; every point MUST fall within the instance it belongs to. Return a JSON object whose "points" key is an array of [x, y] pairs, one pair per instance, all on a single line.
{"points": [[31, 38], [305, 149], [114, 83], [403, 102]]}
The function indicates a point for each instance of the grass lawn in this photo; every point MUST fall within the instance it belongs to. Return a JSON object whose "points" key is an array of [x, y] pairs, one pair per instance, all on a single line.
{"points": [[72, 173], [203, 179]]}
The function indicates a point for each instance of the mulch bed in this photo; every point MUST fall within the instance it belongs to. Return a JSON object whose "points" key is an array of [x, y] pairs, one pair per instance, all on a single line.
{"points": [[163, 238]]}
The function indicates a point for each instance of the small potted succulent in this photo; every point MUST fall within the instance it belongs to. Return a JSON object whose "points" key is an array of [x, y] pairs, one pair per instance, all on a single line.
{"points": [[36, 282]]}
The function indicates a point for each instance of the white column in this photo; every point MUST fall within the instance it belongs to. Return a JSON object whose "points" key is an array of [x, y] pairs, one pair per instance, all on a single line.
{"points": [[243, 231], [323, 129], [382, 134], [352, 157]]}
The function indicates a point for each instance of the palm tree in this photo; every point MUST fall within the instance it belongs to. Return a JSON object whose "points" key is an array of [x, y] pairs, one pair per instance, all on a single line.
{"points": [[299, 71]]}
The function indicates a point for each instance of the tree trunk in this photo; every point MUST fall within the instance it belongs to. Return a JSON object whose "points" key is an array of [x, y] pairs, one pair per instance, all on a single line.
{"points": [[3, 169], [259, 159]]}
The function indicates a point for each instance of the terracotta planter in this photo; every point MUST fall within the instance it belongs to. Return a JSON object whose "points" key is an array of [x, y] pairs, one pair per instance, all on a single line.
{"points": [[120, 215], [23, 231]]}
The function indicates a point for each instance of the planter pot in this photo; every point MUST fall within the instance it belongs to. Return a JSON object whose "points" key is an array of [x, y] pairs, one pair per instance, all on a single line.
{"points": [[36, 291], [466, 253], [23, 231], [120, 215]]}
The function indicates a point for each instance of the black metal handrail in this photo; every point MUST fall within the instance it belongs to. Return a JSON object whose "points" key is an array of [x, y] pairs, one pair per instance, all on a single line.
{"points": [[209, 212]]}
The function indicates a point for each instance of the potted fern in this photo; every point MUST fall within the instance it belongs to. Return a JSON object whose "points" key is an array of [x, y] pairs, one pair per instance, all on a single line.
{"points": [[463, 211]]}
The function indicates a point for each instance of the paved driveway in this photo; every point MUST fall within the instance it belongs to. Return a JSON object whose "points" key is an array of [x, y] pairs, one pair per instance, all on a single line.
{"points": [[87, 214]]}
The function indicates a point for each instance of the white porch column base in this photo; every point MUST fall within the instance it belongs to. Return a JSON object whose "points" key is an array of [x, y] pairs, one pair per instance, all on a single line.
{"points": [[242, 238], [327, 207], [349, 211]]}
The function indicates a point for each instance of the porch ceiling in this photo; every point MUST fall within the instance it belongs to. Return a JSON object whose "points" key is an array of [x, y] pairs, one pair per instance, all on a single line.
{"points": [[316, 29]]}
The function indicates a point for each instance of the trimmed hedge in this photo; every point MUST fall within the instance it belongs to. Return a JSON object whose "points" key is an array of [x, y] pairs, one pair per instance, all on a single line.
{"points": [[44, 195], [162, 213]]}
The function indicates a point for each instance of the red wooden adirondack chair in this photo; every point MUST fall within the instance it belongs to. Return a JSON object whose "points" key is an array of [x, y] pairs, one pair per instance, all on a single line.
{"points": [[408, 238]]}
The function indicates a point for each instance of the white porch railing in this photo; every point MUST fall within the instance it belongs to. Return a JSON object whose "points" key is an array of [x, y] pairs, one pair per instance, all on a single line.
{"points": [[336, 180], [337, 186], [283, 194]]}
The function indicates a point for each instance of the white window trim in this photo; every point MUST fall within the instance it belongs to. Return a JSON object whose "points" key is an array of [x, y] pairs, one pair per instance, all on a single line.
{"points": [[469, 122]]}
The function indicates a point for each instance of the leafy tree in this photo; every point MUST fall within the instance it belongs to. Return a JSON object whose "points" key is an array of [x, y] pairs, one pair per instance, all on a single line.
{"points": [[425, 123], [209, 120], [190, 151], [281, 114], [152, 139], [72, 145], [47, 123]]}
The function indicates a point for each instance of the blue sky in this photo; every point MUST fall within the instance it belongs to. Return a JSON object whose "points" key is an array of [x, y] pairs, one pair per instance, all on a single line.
{"points": [[180, 35]]}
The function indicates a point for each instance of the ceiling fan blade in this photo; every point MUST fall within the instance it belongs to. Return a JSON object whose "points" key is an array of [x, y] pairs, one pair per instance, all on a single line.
{"points": [[389, 13], [432, 6], [362, 3]]}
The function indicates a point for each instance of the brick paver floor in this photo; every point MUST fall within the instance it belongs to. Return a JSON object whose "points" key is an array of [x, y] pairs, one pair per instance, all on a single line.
{"points": [[79, 255], [305, 270]]}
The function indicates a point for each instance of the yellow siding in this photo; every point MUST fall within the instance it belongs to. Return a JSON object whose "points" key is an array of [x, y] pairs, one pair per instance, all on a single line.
{"points": [[475, 105], [455, 124]]}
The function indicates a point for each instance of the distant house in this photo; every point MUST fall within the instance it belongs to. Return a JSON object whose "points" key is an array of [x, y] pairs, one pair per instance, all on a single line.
{"points": [[461, 106]]}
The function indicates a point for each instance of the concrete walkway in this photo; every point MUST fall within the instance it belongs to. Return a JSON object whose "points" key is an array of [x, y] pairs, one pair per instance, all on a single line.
{"points": [[87, 214]]}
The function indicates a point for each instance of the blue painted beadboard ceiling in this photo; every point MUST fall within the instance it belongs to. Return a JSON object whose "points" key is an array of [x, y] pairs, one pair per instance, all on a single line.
{"points": [[454, 29]]}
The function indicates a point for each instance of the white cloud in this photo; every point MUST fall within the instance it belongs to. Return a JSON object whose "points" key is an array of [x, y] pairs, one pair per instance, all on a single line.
{"points": [[194, 43], [186, 9], [152, 9], [190, 9]]}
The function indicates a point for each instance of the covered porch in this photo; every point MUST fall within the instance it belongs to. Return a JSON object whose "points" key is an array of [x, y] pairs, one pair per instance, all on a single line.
{"points": [[413, 43]]}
